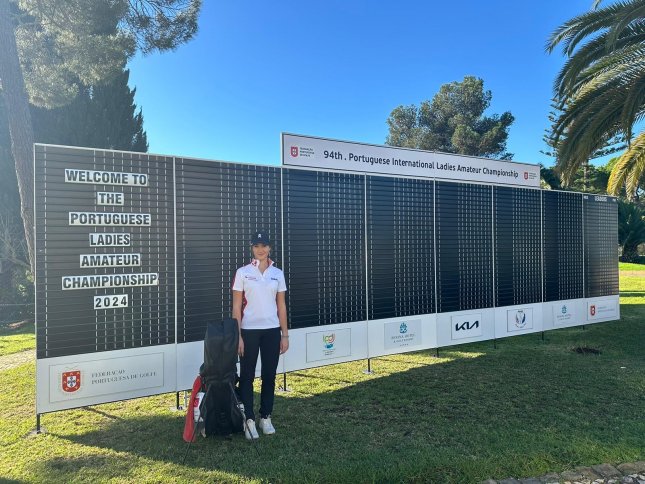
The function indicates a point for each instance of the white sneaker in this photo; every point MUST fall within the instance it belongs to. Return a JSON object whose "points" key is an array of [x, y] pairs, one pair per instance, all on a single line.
{"points": [[250, 432], [266, 426]]}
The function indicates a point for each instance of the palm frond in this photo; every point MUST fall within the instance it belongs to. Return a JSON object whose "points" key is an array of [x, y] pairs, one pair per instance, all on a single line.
{"points": [[571, 33], [633, 105], [629, 168], [634, 12], [636, 154], [594, 52], [584, 128], [601, 88]]}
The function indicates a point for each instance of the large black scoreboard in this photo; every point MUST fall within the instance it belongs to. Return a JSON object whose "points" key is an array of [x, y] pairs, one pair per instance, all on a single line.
{"points": [[218, 206], [400, 247], [103, 283], [136, 254]]}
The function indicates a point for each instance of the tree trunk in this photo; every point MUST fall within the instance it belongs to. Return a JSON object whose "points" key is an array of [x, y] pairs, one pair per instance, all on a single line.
{"points": [[20, 129], [630, 253]]}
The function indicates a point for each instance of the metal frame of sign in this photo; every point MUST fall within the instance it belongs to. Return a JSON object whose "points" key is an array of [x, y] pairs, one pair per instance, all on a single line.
{"points": [[70, 380]]}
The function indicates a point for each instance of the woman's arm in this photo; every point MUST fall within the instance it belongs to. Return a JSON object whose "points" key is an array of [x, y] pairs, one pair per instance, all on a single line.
{"points": [[237, 314], [282, 316]]}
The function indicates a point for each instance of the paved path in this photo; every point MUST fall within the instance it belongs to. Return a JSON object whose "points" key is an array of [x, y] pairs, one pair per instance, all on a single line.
{"points": [[632, 273], [628, 473], [16, 359]]}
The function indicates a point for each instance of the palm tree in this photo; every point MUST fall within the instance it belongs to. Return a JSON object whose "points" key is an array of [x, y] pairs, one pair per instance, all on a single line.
{"points": [[631, 230], [601, 90]]}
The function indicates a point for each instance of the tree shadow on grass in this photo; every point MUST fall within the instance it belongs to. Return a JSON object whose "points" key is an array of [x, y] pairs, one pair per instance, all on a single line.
{"points": [[87, 468], [462, 420]]}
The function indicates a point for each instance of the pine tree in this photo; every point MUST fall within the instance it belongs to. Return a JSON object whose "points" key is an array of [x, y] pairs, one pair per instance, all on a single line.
{"points": [[453, 122], [49, 47], [102, 116]]}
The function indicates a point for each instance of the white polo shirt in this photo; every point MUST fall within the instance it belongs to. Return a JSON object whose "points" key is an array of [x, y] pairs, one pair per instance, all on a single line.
{"points": [[259, 309]]}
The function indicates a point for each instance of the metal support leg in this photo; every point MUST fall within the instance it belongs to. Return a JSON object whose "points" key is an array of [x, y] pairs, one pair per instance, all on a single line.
{"points": [[369, 367], [178, 407], [37, 423], [436, 353], [284, 383], [494, 343]]}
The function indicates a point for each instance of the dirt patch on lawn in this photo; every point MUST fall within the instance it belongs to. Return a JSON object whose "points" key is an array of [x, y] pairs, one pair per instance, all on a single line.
{"points": [[632, 273], [16, 359]]}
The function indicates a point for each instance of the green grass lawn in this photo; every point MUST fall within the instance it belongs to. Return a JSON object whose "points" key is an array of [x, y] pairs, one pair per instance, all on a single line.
{"points": [[524, 409], [628, 266]]}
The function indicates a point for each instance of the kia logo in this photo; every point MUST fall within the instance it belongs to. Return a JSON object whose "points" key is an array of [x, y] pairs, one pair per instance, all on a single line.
{"points": [[466, 325]]}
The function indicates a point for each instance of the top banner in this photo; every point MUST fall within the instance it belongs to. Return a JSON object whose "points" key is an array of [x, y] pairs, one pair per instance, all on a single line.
{"points": [[310, 152]]}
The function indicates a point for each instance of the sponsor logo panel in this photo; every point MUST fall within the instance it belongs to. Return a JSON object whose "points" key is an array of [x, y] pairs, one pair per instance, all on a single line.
{"points": [[326, 345], [603, 309], [519, 319], [563, 313], [401, 334], [93, 378], [466, 326]]}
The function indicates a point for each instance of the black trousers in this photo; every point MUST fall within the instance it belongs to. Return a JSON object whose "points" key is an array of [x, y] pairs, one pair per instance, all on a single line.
{"points": [[266, 342]]}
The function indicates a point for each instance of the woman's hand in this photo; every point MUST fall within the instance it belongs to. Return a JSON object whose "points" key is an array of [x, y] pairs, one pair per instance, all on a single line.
{"points": [[284, 344], [240, 347]]}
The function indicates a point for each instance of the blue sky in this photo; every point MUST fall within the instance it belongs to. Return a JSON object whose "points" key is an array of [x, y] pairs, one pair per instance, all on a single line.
{"points": [[336, 69]]}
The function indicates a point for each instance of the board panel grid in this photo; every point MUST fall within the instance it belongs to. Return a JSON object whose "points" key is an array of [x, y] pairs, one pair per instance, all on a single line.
{"points": [[324, 219], [219, 206], [563, 249], [464, 246], [601, 245], [400, 241], [67, 323], [518, 245]]}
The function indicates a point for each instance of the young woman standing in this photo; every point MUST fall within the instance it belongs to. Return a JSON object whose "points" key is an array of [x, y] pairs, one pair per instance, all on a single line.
{"points": [[260, 309]]}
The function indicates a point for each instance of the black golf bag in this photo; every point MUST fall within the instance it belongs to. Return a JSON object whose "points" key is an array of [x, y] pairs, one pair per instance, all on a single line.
{"points": [[219, 408]]}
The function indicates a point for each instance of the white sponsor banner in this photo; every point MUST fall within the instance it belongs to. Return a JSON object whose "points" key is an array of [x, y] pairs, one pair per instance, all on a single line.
{"points": [[563, 313], [105, 177], [325, 345], [71, 381], [602, 309], [399, 334], [306, 151], [466, 325], [519, 319]]}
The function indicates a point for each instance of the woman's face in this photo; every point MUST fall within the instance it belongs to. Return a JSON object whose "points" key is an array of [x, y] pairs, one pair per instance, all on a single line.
{"points": [[261, 251]]}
